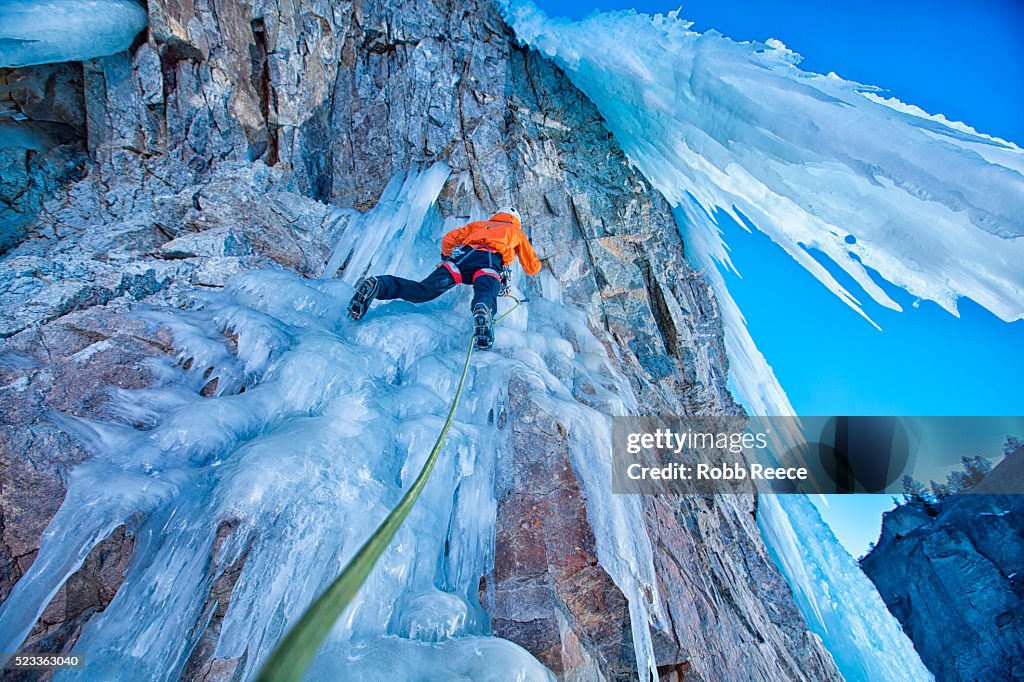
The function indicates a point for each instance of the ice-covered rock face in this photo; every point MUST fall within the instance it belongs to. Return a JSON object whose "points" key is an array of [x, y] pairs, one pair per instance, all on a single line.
{"points": [[290, 433], [42, 126], [50, 31], [254, 467], [212, 146]]}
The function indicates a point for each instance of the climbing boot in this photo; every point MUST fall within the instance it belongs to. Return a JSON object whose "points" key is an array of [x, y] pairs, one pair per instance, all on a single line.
{"points": [[483, 327], [366, 291]]}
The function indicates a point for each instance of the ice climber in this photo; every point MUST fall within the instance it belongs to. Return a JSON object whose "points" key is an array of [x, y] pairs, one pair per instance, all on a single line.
{"points": [[480, 254]]}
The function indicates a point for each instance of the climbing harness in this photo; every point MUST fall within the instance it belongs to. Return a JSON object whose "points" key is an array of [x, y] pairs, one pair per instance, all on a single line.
{"points": [[453, 260], [293, 655]]}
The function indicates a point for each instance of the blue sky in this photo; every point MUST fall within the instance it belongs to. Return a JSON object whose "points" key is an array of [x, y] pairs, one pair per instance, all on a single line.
{"points": [[924, 362], [963, 60]]}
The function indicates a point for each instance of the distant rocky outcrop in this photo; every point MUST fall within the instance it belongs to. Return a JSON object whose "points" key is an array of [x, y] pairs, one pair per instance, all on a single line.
{"points": [[240, 135], [952, 572]]}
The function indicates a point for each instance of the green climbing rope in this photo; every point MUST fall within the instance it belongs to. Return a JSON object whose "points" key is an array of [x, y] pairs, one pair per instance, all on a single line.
{"points": [[509, 311], [292, 656]]}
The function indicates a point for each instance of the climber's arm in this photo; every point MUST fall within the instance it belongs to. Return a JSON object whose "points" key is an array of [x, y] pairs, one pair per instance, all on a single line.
{"points": [[527, 257]]}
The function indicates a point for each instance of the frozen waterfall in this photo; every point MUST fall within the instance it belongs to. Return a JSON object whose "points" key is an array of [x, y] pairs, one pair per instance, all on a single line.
{"points": [[312, 430]]}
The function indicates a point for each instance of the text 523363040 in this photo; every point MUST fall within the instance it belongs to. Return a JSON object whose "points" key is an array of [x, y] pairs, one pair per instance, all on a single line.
{"points": [[40, 661]]}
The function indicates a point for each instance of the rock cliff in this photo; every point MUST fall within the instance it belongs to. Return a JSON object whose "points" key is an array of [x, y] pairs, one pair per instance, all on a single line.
{"points": [[228, 138], [952, 572]]}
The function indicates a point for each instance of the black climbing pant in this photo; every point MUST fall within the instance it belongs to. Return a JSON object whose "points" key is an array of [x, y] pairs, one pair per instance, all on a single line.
{"points": [[478, 268]]}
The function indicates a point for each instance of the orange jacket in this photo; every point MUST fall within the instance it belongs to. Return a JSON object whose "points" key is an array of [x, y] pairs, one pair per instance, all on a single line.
{"points": [[501, 233]]}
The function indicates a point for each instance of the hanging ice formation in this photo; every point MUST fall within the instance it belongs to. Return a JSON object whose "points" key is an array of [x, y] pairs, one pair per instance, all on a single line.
{"points": [[700, 116], [49, 31], [290, 475]]}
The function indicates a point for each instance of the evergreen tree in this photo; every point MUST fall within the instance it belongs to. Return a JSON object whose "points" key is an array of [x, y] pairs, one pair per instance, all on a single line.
{"points": [[914, 490], [976, 468], [940, 491]]}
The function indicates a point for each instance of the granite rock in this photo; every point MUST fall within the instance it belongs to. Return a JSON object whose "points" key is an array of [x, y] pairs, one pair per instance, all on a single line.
{"points": [[952, 568]]}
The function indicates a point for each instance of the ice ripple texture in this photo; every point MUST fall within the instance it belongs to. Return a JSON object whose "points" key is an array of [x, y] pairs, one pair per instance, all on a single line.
{"points": [[311, 428]]}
